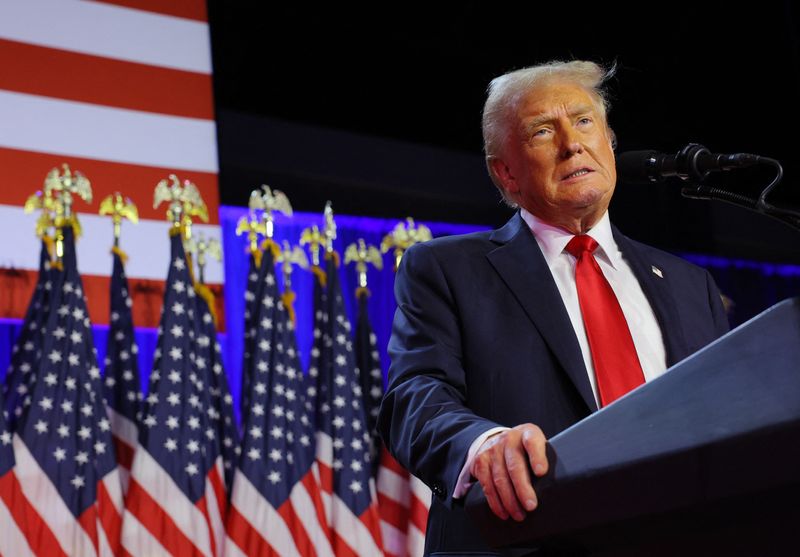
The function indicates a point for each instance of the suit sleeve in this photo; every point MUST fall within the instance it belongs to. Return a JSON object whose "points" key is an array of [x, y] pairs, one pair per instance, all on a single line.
{"points": [[424, 420]]}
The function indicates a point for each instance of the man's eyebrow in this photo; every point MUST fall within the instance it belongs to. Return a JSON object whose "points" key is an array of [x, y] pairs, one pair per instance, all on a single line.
{"points": [[549, 117]]}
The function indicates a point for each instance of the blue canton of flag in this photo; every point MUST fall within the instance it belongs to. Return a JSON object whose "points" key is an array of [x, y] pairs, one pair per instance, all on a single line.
{"points": [[369, 366], [27, 350], [123, 389], [251, 294], [176, 497], [276, 505], [343, 439], [6, 451], [220, 411], [63, 447], [316, 392]]}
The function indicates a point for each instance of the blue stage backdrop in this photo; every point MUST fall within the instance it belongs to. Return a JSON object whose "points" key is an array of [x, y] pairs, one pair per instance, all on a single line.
{"points": [[752, 286]]}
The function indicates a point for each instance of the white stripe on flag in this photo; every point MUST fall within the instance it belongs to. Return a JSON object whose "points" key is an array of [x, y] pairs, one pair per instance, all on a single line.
{"points": [[262, 516], [232, 550], [394, 486], [105, 133], [354, 532], [49, 505], [114, 488], [162, 489], [304, 508], [12, 541], [215, 519], [104, 548], [141, 242], [138, 541], [110, 31], [394, 541], [416, 542], [121, 426], [420, 490]]}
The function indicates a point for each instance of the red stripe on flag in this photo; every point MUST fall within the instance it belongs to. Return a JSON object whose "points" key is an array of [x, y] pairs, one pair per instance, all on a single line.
{"points": [[372, 520], [219, 491], [150, 514], [341, 547], [88, 521], [388, 461], [244, 535], [124, 452], [419, 514], [16, 289], [313, 489], [189, 9], [202, 505], [24, 172], [393, 512], [109, 517], [105, 81], [40, 538], [296, 527], [325, 477]]}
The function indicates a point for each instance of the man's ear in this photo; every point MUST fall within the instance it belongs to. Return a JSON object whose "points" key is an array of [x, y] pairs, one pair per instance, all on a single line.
{"points": [[503, 178]]}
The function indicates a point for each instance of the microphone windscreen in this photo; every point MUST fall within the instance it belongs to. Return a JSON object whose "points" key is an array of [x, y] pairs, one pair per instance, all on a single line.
{"points": [[636, 167]]}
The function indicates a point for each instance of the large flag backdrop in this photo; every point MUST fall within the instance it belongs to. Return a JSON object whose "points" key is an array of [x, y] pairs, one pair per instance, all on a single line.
{"points": [[121, 90]]}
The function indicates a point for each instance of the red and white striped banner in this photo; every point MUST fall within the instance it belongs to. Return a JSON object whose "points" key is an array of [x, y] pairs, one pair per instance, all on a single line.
{"points": [[122, 92], [403, 501]]}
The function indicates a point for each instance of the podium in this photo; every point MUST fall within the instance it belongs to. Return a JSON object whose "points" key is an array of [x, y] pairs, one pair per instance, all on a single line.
{"points": [[704, 460]]}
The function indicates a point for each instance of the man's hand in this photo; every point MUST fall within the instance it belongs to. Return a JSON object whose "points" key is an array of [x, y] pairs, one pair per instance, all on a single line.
{"points": [[501, 467]]}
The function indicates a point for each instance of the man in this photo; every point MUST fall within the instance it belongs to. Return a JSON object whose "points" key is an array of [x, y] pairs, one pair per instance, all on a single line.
{"points": [[499, 342]]}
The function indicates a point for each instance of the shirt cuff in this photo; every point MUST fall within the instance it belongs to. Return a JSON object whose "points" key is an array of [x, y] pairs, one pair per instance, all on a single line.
{"points": [[465, 479]]}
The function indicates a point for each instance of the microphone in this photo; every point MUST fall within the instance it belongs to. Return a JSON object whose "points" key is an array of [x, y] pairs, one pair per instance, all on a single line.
{"points": [[693, 162]]}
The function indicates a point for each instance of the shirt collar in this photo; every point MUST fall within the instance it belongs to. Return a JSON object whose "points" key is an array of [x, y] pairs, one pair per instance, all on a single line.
{"points": [[552, 240]]}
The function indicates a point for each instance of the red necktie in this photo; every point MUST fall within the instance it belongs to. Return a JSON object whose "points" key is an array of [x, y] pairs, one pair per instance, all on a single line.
{"points": [[616, 364]]}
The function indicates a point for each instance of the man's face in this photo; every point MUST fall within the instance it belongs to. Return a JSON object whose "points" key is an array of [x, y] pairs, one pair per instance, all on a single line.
{"points": [[558, 162]]}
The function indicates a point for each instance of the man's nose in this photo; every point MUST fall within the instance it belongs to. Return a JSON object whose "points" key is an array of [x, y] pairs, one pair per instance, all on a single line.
{"points": [[570, 143]]}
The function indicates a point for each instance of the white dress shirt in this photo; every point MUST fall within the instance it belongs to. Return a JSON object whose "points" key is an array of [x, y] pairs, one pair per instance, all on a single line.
{"points": [[641, 320]]}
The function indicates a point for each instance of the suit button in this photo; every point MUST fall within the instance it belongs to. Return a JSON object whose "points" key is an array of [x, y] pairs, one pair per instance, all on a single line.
{"points": [[438, 490]]}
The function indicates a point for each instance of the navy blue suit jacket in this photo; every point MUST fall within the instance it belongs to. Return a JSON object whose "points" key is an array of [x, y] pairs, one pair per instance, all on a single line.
{"points": [[481, 338]]}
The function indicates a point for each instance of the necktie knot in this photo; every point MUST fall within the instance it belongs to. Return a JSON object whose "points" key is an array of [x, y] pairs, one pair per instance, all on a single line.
{"points": [[581, 244]]}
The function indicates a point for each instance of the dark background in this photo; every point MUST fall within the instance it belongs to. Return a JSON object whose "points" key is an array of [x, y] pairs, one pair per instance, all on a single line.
{"points": [[378, 109]]}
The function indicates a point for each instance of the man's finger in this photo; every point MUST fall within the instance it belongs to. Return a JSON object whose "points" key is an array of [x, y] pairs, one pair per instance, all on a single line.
{"points": [[505, 489], [517, 466], [535, 443], [482, 472]]}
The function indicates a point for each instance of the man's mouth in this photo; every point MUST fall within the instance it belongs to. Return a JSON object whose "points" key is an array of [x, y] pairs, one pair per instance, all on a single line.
{"points": [[577, 173]]}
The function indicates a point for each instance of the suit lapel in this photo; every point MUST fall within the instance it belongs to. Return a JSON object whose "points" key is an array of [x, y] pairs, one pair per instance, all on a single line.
{"points": [[657, 286], [521, 265]]}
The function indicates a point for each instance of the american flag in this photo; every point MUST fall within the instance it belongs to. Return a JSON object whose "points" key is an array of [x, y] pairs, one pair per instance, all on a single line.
{"points": [[403, 500], [250, 310], [22, 531], [176, 497], [123, 389], [316, 392], [221, 410], [63, 448], [27, 350], [369, 365], [342, 436], [276, 506]]}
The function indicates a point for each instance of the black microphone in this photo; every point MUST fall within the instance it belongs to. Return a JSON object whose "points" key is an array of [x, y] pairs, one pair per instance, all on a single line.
{"points": [[693, 162]]}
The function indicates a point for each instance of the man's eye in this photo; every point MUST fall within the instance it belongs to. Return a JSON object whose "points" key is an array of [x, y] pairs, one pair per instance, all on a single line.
{"points": [[585, 120]]}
